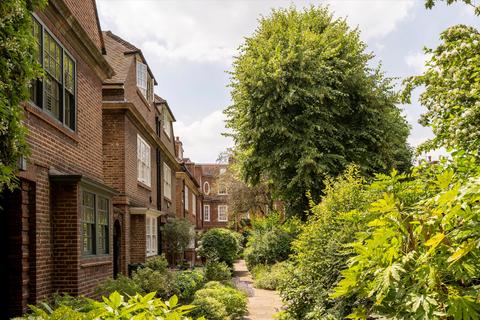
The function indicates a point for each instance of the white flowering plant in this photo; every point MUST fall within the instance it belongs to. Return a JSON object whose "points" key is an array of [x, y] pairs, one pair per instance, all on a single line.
{"points": [[452, 91]]}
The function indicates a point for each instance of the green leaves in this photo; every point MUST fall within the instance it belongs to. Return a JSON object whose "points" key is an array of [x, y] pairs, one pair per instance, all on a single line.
{"points": [[306, 104]]}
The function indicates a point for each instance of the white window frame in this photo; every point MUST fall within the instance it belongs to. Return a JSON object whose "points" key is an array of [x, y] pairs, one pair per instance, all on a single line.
{"points": [[167, 123], [167, 181], [186, 202], [142, 77], [194, 204], [206, 212], [222, 192], [205, 185], [226, 213], [151, 235], [144, 170]]}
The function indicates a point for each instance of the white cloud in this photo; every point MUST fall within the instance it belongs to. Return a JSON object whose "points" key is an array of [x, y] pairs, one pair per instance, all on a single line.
{"points": [[213, 30], [416, 61], [202, 140]]}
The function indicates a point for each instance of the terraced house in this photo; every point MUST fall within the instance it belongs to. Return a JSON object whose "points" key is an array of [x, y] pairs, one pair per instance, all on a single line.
{"points": [[139, 157], [56, 230]]}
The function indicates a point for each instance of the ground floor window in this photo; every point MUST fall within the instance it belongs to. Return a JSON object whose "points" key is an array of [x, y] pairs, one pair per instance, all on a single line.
{"points": [[95, 224], [206, 212], [152, 235], [222, 213]]}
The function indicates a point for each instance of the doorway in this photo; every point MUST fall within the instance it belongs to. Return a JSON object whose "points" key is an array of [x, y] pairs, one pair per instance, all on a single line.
{"points": [[117, 247]]}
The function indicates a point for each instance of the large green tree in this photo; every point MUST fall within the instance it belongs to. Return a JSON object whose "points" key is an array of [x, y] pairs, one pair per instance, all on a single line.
{"points": [[17, 69], [306, 103]]}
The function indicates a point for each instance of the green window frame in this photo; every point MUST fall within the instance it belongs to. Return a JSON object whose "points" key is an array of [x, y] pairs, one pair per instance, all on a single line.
{"points": [[95, 224], [55, 92]]}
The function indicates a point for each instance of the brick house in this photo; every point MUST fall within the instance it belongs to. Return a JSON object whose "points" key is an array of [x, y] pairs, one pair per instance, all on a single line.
{"points": [[215, 195], [139, 158], [189, 198], [56, 228]]}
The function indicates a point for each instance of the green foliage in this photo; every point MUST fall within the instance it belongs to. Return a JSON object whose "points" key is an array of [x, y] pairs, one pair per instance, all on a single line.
{"points": [[418, 256], [320, 252], [217, 271], [429, 4], [451, 94], [269, 277], [219, 244], [115, 307], [177, 234], [122, 284], [270, 241], [187, 282], [233, 301], [306, 104], [17, 70], [154, 281], [158, 263]]}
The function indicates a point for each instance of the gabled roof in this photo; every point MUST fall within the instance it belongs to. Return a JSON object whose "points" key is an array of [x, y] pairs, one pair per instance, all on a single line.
{"points": [[160, 100], [118, 51]]}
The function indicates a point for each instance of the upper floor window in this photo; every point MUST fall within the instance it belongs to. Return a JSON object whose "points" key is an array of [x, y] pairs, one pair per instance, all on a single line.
{"points": [[222, 189], [206, 188], [152, 235], [144, 81], [143, 161], [95, 224], [167, 123], [206, 212], [222, 213], [56, 91], [167, 181], [186, 198]]}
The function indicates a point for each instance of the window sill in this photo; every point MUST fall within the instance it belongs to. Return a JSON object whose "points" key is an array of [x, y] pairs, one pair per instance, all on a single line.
{"points": [[96, 263], [144, 186], [42, 115]]}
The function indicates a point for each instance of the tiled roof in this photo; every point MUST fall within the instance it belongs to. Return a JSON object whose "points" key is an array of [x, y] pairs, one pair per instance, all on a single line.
{"points": [[116, 48]]}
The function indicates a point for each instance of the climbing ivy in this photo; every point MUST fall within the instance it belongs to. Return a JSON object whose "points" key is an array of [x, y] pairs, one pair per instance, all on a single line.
{"points": [[17, 69]]}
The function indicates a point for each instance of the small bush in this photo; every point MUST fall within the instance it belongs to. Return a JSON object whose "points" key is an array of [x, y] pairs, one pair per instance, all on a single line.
{"points": [[158, 263], [210, 308], [268, 247], [269, 277], [221, 244], [217, 271], [154, 281], [234, 301], [124, 285], [187, 282]]}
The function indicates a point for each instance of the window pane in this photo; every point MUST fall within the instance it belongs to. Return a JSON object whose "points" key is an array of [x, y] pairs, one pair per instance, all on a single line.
{"points": [[52, 101]]}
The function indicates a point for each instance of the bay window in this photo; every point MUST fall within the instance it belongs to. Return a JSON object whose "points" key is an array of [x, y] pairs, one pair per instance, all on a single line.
{"points": [[152, 235], [95, 223]]}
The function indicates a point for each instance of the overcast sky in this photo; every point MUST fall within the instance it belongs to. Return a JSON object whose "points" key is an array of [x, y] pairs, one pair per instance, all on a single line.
{"points": [[190, 44]]}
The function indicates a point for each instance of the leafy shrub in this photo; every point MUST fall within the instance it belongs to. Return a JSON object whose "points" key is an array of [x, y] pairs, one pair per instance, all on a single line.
{"points": [[269, 277], [319, 252], [177, 234], [220, 244], [158, 263], [115, 307], [418, 257], [154, 281], [234, 301], [124, 285], [217, 271], [210, 308], [187, 282], [270, 240]]}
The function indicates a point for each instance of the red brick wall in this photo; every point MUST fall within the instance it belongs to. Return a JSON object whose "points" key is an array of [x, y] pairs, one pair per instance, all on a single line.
{"points": [[84, 11], [138, 238]]}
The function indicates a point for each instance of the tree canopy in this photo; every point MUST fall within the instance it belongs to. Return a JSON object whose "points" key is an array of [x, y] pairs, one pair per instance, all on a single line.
{"points": [[307, 103], [452, 93]]}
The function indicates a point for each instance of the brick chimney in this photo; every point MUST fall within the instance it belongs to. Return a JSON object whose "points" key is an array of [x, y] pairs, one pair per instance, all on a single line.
{"points": [[178, 148]]}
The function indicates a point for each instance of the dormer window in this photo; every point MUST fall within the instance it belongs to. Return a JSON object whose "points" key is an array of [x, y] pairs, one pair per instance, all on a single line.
{"points": [[142, 77], [167, 123]]}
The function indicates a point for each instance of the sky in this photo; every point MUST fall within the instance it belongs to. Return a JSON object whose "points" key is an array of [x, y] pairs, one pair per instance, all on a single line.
{"points": [[190, 46]]}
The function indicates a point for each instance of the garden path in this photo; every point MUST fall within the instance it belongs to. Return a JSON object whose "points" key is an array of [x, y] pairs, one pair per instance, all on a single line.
{"points": [[262, 304]]}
